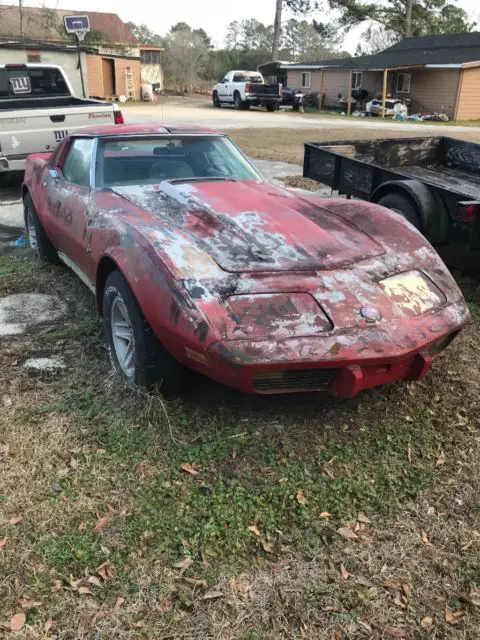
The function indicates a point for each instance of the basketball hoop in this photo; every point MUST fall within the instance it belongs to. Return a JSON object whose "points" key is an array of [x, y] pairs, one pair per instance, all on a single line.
{"points": [[79, 26], [81, 35]]}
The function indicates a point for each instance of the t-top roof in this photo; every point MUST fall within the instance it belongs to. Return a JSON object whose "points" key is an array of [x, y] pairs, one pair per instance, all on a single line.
{"points": [[107, 130]]}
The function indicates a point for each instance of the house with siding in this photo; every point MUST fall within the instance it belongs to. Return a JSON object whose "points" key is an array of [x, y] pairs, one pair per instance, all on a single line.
{"points": [[110, 55], [437, 73]]}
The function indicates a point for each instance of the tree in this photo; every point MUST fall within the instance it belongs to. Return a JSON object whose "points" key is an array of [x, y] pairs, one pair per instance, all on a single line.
{"points": [[144, 34], [374, 39], [249, 43], [301, 41], [297, 7], [186, 57], [428, 17]]}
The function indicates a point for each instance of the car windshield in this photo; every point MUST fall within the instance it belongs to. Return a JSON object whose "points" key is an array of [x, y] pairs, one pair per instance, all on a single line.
{"points": [[187, 158]]}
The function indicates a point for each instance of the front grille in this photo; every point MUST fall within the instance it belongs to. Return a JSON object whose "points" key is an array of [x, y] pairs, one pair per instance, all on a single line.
{"points": [[314, 379]]}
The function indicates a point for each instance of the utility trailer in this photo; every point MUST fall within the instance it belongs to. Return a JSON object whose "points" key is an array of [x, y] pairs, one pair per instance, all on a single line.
{"points": [[434, 182]]}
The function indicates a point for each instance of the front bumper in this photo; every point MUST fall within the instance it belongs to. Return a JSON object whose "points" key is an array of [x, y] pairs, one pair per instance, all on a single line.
{"points": [[343, 364]]}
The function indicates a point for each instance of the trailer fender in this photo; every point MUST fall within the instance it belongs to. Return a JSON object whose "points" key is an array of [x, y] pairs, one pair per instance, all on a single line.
{"points": [[428, 204]]}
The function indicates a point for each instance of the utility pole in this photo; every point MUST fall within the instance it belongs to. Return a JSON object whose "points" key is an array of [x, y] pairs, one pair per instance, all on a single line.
{"points": [[408, 19], [20, 11], [277, 29]]}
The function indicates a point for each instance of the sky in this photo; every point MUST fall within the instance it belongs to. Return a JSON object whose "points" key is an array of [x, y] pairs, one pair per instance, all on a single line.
{"points": [[212, 15]]}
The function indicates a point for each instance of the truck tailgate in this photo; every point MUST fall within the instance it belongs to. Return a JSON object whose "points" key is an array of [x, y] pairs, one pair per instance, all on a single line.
{"points": [[34, 130]]}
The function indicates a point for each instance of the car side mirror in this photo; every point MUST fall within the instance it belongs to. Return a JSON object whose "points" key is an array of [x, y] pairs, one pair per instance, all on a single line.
{"points": [[54, 173]]}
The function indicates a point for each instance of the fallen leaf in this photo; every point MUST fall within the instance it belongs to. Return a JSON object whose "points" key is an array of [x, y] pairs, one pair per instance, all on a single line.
{"points": [[301, 499], [57, 584], [119, 604], [3, 542], [94, 580], [453, 617], [74, 463], [384, 568], [440, 460], [409, 452], [82, 526], [365, 625], [344, 572], [15, 520], [85, 591], [475, 597], [325, 514], [395, 632], [347, 533], [188, 469], [184, 563], [48, 625], [363, 518], [30, 603], [329, 474], [17, 622], [431, 511], [210, 595], [267, 546], [101, 522], [407, 591], [425, 539], [399, 600], [196, 582], [426, 622], [254, 529], [139, 624]]}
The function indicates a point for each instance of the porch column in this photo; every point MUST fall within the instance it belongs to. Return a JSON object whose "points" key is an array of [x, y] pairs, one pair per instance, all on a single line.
{"points": [[384, 92], [320, 97], [349, 106]]}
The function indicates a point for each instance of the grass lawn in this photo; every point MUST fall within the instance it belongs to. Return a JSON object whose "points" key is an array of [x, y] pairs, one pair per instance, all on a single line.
{"points": [[218, 515]]}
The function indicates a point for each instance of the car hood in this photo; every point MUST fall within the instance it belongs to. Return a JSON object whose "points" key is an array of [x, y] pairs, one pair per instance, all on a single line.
{"points": [[254, 227]]}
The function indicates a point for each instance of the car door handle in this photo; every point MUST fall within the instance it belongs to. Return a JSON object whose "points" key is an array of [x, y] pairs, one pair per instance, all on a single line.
{"points": [[57, 118]]}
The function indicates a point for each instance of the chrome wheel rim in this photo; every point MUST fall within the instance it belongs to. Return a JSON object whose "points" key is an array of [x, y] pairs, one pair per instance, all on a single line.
{"points": [[31, 230], [122, 337]]}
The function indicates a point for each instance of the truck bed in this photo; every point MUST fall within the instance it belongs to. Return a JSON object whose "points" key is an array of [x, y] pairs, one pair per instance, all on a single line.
{"points": [[357, 166]]}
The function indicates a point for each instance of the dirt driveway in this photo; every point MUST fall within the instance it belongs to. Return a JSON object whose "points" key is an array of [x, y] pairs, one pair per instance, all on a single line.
{"points": [[200, 112]]}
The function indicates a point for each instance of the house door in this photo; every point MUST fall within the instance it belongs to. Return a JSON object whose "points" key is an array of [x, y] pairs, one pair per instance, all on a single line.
{"points": [[108, 71]]}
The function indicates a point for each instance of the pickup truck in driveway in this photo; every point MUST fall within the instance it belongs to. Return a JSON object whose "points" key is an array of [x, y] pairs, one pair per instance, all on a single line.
{"points": [[38, 109], [242, 89]]}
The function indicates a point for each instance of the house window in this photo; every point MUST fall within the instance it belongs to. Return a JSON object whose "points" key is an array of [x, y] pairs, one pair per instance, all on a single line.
{"points": [[33, 56], [306, 80], [404, 80], [150, 56], [357, 79]]}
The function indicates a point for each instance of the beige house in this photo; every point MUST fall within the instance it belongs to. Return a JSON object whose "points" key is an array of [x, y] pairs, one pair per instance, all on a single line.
{"points": [[437, 73]]}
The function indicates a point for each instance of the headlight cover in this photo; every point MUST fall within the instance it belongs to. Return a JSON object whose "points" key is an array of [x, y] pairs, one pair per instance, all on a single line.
{"points": [[275, 315], [413, 292]]}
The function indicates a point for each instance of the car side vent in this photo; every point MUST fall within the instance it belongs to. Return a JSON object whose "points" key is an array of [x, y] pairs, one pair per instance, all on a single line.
{"points": [[314, 379]]}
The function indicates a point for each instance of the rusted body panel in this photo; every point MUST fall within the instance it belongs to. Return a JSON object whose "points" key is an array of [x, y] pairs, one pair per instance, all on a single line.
{"points": [[247, 282]]}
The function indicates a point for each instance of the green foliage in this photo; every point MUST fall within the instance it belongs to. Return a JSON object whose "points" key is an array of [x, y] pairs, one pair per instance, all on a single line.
{"points": [[144, 34], [428, 16]]}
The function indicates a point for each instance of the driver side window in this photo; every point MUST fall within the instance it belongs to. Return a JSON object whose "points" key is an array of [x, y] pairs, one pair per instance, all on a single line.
{"points": [[76, 168]]}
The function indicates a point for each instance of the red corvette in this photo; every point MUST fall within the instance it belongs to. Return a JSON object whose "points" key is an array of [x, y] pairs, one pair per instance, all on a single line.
{"points": [[197, 262]]}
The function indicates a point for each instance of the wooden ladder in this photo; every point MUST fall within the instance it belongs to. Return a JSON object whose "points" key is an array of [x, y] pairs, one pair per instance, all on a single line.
{"points": [[129, 84]]}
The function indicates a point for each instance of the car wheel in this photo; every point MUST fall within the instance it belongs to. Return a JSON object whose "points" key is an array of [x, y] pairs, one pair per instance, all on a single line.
{"points": [[36, 236], [135, 352], [237, 101], [216, 101], [270, 106], [404, 206]]}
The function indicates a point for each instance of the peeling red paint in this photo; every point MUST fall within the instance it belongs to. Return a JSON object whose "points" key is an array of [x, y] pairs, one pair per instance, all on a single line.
{"points": [[242, 278]]}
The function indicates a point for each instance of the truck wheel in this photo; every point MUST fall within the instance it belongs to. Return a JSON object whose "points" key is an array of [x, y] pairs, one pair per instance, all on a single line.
{"points": [[403, 205], [135, 353], [36, 236], [216, 101], [270, 106], [237, 101]]}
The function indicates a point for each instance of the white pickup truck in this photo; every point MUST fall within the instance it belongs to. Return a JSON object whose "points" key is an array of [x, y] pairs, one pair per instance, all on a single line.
{"points": [[242, 89], [38, 109]]}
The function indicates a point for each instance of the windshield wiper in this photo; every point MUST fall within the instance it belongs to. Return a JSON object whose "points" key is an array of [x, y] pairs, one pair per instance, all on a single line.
{"points": [[205, 179]]}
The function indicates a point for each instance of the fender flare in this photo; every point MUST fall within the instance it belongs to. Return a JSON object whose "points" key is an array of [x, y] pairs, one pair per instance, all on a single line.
{"points": [[430, 208]]}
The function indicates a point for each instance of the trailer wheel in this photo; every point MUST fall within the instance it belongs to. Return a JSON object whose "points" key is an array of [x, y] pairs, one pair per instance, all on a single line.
{"points": [[270, 106], [402, 205]]}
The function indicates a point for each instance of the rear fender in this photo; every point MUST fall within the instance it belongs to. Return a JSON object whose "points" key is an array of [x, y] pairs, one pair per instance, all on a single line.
{"points": [[428, 203]]}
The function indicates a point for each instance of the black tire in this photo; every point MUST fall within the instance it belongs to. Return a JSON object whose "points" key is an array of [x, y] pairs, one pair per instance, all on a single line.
{"points": [[36, 236], [152, 364], [270, 106], [216, 100], [237, 101], [404, 206]]}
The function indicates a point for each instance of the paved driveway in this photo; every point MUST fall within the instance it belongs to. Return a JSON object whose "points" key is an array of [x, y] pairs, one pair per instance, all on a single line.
{"points": [[200, 112]]}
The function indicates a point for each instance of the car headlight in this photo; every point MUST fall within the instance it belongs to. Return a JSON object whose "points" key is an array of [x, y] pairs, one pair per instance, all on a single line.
{"points": [[275, 315], [413, 292]]}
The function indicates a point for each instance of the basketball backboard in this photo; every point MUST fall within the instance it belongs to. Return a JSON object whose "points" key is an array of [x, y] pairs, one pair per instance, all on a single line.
{"points": [[76, 24]]}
